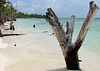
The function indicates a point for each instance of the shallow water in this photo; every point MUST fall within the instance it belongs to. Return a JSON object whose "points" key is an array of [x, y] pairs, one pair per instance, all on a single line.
{"points": [[40, 51], [43, 30]]}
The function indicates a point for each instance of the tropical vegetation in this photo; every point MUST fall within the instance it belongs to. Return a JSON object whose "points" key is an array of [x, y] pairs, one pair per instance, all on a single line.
{"points": [[23, 15], [9, 13]]}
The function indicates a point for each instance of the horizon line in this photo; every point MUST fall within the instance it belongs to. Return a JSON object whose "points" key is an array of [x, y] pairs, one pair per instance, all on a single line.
{"points": [[82, 18]]}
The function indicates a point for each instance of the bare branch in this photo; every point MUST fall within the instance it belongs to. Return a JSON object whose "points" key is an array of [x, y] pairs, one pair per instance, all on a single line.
{"points": [[86, 25], [55, 25], [70, 50], [69, 29]]}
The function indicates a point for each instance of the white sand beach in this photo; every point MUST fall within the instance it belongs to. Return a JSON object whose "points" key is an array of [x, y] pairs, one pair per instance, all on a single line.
{"points": [[16, 54], [47, 35]]}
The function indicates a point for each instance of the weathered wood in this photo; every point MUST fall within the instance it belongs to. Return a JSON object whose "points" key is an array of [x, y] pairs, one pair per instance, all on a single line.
{"points": [[12, 27], [71, 58], [12, 34], [55, 25], [87, 23], [69, 29], [1, 33], [63, 39], [69, 49]]}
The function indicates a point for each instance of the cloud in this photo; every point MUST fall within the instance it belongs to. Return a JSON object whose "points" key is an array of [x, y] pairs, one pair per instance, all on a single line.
{"points": [[63, 8], [38, 6], [20, 3]]}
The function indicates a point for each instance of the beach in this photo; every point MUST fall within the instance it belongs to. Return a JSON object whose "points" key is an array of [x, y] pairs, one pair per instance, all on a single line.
{"points": [[38, 51]]}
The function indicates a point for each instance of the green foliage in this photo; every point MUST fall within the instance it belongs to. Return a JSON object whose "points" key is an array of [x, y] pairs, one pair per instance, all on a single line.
{"points": [[23, 15], [6, 8]]}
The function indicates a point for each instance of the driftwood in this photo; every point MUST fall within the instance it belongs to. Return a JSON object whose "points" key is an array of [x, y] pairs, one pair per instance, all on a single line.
{"points": [[12, 27], [12, 34], [1, 33], [69, 49]]}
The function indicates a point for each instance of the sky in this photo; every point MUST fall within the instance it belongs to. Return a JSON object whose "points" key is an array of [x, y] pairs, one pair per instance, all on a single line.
{"points": [[62, 8]]}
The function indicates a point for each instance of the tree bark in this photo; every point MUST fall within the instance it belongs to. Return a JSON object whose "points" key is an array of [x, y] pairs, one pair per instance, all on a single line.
{"points": [[87, 23], [12, 18], [69, 49]]}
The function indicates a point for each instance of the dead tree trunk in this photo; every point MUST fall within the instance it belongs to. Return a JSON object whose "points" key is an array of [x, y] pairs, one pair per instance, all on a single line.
{"points": [[12, 19], [69, 49]]}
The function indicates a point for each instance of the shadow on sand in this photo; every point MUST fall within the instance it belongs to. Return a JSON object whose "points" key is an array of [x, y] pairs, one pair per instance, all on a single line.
{"points": [[61, 69], [64, 69]]}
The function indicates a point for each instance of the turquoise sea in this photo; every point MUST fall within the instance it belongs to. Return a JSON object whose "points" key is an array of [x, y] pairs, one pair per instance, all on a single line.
{"points": [[42, 30]]}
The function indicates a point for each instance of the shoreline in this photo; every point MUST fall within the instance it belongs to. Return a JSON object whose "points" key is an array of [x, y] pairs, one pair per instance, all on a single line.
{"points": [[33, 56], [29, 18]]}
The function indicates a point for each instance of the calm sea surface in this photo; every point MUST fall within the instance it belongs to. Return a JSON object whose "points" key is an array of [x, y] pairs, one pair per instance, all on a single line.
{"points": [[42, 30]]}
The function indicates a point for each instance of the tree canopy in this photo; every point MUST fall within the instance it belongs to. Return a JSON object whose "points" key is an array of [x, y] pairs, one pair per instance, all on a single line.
{"points": [[25, 15], [8, 12]]}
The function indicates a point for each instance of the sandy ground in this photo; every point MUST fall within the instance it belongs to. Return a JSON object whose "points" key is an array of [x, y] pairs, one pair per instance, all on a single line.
{"points": [[23, 58]]}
